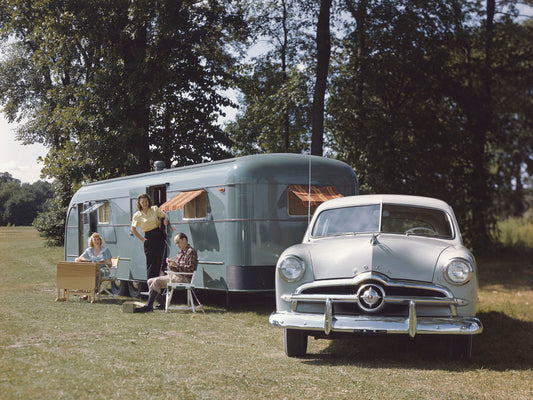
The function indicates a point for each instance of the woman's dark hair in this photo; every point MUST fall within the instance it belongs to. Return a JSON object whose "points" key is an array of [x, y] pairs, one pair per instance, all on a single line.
{"points": [[144, 196]]}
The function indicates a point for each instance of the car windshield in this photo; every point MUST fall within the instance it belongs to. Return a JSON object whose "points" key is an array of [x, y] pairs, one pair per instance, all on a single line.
{"points": [[389, 218]]}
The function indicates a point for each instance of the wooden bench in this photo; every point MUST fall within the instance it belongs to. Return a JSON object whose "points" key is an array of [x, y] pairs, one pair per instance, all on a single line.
{"points": [[77, 277]]}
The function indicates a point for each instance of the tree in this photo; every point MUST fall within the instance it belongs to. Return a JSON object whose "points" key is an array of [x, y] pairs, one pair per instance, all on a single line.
{"points": [[20, 203], [275, 111], [413, 105], [323, 45], [110, 85]]}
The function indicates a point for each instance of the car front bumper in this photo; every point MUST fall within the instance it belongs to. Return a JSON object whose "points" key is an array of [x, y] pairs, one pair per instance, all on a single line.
{"points": [[411, 325]]}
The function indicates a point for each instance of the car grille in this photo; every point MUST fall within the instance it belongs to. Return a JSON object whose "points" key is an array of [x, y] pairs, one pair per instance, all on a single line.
{"points": [[393, 309]]}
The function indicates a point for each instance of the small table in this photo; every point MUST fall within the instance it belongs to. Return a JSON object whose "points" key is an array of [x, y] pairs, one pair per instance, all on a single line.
{"points": [[78, 277]]}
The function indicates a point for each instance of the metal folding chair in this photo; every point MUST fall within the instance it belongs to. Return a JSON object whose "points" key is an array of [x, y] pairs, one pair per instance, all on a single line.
{"points": [[105, 284], [188, 286]]}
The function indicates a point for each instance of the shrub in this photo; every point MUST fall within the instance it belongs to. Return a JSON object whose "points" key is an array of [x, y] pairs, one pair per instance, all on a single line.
{"points": [[516, 233]]}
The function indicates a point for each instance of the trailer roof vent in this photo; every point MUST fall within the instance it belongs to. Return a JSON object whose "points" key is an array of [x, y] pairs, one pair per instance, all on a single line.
{"points": [[159, 165]]}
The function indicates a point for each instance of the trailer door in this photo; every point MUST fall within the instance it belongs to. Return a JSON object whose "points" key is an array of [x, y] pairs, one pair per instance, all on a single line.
{"points": [[89, 219]]}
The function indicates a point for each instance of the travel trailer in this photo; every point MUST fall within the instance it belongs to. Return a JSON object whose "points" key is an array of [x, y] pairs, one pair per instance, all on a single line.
{"points": [[239, 214]]}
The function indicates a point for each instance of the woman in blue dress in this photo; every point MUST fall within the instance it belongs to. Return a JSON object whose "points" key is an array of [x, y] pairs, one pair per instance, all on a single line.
{"points": [[96, 252]]}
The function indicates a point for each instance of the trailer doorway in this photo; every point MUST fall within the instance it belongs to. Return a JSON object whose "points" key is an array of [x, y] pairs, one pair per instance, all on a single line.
{"points": [[158, 194]]}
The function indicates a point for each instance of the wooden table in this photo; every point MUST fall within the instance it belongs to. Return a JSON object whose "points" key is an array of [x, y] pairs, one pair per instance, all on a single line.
{"points": [[77, 277]]}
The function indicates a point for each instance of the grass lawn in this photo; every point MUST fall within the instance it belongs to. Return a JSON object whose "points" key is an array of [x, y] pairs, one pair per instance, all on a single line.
{"points": [[79, 350]]}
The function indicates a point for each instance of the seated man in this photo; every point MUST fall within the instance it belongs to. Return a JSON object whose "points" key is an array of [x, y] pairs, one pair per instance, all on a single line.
{"points": [[185, 262]]}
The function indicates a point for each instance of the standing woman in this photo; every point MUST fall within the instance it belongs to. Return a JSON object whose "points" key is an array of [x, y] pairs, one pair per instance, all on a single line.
{"points": [[148, 219]]}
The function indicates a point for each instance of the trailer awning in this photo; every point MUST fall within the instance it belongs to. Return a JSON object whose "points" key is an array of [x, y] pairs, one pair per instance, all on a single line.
{"points": [[179, 200], [316, 196]]}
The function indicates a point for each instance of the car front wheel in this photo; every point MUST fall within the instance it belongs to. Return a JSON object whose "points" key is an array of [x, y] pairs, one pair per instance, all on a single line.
{"points": [[294, 342]]}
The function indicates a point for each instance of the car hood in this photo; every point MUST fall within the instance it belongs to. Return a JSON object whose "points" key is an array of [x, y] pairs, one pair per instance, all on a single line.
{"points": [[397, 256]]}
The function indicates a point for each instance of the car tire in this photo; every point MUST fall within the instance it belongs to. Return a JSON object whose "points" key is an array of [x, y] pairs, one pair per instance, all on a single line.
{"points": [[461, 347], [294, 342]]}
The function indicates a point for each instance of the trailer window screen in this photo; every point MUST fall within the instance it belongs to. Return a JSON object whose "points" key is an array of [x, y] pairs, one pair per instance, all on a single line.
{"points": [[193, 203], [103, 213], [300, 197]]}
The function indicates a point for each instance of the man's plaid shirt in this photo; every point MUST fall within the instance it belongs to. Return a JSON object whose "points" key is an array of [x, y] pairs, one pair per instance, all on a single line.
{"points": [[187, 259]]}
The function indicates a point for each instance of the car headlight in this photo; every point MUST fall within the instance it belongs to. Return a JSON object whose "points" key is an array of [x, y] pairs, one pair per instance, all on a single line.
{"points": [[291, 268], [458, 271]]}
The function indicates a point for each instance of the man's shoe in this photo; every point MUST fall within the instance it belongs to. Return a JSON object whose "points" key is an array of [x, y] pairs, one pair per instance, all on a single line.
{"points": [[160, 307], [143, 309]]}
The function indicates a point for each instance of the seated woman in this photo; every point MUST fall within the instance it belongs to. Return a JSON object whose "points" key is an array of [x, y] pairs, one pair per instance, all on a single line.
{"points": [[96, 252]]}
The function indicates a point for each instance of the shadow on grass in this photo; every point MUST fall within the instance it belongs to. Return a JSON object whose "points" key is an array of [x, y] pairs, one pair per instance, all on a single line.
{"points": [[504, 344], [217, 301], [512, 271], [259, 303]]}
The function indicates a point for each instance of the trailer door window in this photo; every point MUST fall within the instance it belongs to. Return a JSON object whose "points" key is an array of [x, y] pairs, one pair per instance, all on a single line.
{"points": [[300, 198], [103, 213]]}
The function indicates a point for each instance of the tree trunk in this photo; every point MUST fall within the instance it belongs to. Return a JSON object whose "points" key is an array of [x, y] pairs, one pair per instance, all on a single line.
{"points": [[323, 42], [286, 122], [137, 101]]}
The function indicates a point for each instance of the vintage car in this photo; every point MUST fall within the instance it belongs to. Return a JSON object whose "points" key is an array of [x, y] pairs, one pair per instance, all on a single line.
{"points": [[378, 264]]}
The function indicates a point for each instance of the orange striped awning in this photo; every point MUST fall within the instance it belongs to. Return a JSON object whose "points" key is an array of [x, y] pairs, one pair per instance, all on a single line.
{"points": [[317, 195], [179, 200]]}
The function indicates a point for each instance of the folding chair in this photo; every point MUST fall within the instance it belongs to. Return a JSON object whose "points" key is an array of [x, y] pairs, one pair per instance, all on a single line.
{"points": [[105, 283], [188, 286]]}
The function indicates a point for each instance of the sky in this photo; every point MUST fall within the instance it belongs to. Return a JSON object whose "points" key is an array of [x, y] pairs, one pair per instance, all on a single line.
{"points": [[18, 159]]}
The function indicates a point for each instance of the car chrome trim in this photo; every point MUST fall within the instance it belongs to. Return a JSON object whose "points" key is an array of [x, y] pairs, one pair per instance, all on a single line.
{"points": [[411, 325], [328, 316], [373, 276], [412, 318], [347, 298], [371, 297]]}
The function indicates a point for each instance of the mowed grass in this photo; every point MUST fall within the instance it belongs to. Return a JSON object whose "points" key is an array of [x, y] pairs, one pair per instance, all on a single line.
{"points": [[79, 350]]}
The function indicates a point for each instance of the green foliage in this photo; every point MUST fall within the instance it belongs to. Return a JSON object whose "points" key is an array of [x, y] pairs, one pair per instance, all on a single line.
{"points": [[20, 203], [51, 223], [275, 100], [516, 233], [277, 113], [110, 86], [430, 98], [102, 81], [418, 105]]}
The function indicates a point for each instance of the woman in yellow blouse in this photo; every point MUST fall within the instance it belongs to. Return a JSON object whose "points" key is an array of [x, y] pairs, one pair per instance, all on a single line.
{"points": [[148, 220]]}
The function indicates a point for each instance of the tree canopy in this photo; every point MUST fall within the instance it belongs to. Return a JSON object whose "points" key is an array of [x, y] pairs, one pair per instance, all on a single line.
{"points": [[420, 97], [20, 203]]}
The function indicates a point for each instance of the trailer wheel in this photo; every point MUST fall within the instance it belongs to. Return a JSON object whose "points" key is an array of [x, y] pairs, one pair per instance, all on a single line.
{"points": [[134, 289], [119, 288], [295, 342]]}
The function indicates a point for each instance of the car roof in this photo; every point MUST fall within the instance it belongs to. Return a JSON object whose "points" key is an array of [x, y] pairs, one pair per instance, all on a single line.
{"points": [[388, 199]]}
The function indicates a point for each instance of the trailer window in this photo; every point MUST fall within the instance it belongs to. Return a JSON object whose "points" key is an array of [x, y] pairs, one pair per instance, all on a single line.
{"points": [[299, 197], [103, 213], [197, 207]]}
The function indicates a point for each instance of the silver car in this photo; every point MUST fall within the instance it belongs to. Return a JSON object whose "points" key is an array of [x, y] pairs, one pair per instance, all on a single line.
{"points": [[378, 264]]}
